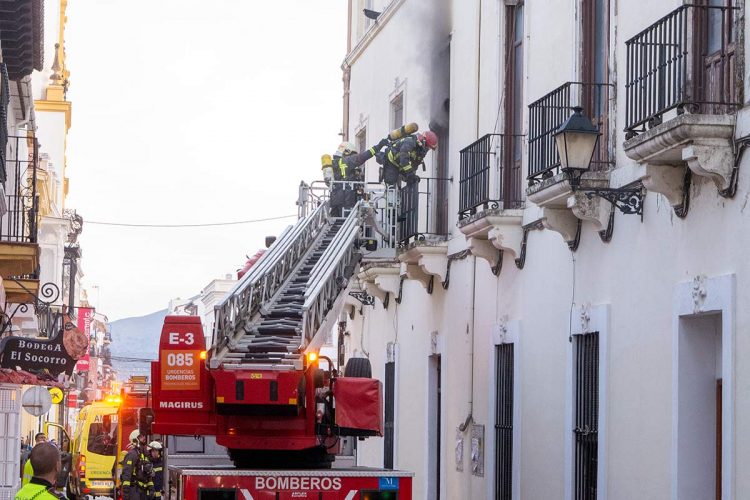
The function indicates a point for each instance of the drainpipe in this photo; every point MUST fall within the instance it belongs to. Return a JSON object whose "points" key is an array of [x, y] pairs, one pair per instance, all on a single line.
{"points": [[470, 417], [479, 60], [347, 79]]}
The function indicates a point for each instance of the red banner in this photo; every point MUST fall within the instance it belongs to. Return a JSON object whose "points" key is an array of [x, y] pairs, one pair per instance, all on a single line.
{"points": [[85, 317]]}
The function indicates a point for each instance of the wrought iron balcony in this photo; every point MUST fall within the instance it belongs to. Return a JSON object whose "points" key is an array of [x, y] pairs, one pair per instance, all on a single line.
{"points": [[490, 174], [686, 62], [547, 113], [19, 224], [423, 210]]}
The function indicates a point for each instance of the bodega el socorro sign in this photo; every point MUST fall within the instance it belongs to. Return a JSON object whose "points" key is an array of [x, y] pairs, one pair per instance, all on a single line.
{"points": [[52, 356]]}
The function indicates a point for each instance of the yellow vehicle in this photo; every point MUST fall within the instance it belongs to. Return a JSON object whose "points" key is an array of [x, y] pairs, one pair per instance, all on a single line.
{"points": [[94, 450]]}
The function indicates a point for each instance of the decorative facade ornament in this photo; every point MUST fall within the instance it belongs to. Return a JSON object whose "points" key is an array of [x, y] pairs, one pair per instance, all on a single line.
{"points": [[585, 316], [56, 77], [434, 349], [699, 292]]}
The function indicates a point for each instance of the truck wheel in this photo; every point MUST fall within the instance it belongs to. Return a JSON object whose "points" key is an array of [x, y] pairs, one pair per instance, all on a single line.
{"points": [[358, 367]]}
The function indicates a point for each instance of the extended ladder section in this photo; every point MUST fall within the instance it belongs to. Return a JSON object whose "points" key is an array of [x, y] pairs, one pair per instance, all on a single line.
{"points": [[283, 306]]}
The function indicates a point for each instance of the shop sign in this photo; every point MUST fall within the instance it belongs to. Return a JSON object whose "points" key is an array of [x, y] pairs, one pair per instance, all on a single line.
{"points": [[54, 356]]}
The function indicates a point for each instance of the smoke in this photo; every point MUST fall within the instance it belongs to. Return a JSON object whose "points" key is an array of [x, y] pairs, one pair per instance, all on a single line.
{"points": [[431, 24]]}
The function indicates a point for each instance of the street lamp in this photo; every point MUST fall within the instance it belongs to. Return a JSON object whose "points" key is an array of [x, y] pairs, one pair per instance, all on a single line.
{"points": [[576, 140]]}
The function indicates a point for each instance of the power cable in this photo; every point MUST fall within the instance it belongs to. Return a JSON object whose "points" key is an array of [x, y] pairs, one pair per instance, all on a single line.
{"points": [[207, 224]]}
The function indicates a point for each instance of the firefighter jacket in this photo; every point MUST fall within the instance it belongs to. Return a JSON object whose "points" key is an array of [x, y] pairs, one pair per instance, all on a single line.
{"points": [[346, 168], [406, 154], [38, 489], [158, 476], [137, 472]]}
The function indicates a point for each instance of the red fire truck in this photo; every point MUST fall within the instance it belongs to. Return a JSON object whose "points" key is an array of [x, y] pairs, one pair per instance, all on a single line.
{"points": [[263, 389], [332, 484]]}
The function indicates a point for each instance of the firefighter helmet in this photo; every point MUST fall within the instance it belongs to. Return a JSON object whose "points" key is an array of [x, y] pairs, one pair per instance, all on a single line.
{"points": [[346, 148], [429, 139], [134, 436], [155, 445]]}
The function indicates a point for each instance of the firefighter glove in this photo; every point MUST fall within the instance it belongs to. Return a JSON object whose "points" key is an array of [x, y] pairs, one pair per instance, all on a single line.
{"points": [[383, 143]]}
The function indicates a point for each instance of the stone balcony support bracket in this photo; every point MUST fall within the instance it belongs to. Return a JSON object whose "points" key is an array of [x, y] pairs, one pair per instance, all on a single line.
{"points": [[702, 143], [562, 206], [425, 261], [484, 249], [380, 280], [502, 228]]}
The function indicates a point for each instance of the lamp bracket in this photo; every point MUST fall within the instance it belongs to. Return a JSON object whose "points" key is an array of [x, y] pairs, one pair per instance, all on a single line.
{"points": [[627, 199], [365, 298]]}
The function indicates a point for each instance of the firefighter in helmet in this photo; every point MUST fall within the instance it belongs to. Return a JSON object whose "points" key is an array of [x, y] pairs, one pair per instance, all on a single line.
{"points": [[137, 477], [402, 157], [155, 450], [346, 166]]}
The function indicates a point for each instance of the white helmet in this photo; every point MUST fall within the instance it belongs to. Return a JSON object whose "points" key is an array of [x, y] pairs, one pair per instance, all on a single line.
{"points": [[134, 436], [346, 148], [155, 445]]}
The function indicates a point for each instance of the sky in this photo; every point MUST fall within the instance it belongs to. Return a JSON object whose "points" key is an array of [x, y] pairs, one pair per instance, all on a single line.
{"points": [[186, 112]]}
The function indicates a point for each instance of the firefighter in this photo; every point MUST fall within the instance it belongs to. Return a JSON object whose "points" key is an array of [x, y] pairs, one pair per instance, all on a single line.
{"points": [[402, 157], [155, 454], [346, 164], [45, 459], [137, 477]]}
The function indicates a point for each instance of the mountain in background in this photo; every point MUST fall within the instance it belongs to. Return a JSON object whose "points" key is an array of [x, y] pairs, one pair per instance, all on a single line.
{"points": [[136, 337]]}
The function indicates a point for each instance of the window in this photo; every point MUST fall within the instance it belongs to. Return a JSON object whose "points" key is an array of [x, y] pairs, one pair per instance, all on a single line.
{"points": [[714, 23], [390, 414], [361, 140], [510, 169], [585, 415], [595, 73], [504, 422], [102, 442], [397, 111]]}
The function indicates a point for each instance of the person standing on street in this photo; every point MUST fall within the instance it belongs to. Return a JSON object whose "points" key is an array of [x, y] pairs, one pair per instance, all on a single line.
{"points": [[28, 467], [45, 459], [137, 477], [155, 454]]}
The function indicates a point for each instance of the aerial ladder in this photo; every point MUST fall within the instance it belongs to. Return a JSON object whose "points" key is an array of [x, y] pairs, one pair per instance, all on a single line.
{"points": [[262, 388]]}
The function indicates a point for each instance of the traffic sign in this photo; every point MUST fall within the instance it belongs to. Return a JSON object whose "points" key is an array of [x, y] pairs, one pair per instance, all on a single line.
{"points": [[36, 400]]}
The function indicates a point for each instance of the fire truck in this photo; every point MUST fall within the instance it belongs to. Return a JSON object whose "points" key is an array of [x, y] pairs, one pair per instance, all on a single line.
{"points": [[263, 389]]}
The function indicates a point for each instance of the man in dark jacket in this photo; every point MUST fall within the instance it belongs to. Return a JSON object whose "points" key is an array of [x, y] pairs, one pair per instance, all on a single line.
{"points": [[347, 163], [137, 471], [401, 159], [155, 454]]}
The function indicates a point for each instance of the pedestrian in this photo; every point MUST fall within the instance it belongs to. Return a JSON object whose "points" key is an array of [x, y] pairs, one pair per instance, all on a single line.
{"points": [[45, 459], [346, 164], [402, 157], [157, 460], [137, 476], [28, 467]]}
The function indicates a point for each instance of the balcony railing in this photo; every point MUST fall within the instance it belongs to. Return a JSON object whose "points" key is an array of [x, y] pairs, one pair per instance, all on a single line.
{"points": [[548, 113], [19, 224], [490, 175], [684, 61], [419, 215]]}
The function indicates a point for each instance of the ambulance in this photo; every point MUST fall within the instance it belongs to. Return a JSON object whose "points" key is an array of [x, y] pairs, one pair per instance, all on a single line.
{"points": [[94, 449]]}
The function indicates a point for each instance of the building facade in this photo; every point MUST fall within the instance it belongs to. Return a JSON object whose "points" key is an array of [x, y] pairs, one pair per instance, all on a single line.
{"points": [[544, 333]]}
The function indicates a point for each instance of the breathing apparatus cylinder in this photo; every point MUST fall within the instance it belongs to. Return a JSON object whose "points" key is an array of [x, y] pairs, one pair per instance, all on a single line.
{"points": [[327, 166], [399, 133]]}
